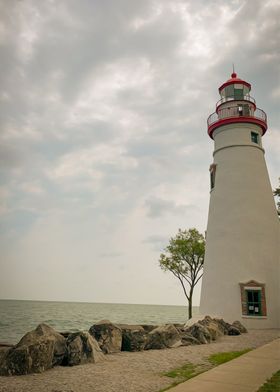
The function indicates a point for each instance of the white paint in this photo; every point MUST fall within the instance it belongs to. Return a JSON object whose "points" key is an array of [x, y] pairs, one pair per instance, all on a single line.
{"points": [[252, 288], [243, 232]]}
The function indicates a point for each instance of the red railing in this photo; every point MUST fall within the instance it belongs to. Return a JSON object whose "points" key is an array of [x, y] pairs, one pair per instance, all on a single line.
{"points": [[235, 111], [228, 99]]}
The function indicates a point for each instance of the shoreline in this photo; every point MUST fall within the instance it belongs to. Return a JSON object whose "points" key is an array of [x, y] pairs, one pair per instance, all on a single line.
{"points": [[132, 371], [18, 317]]}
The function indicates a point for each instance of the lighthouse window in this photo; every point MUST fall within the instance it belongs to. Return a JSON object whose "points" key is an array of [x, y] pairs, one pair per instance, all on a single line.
{"points": [[229, 91], [254, 137], [212, 170], [238, 93], [254, 302], [212, 180]]}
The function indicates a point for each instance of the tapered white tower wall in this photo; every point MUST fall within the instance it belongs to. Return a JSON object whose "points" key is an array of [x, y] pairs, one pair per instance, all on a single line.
{"points": [[241, 278]]}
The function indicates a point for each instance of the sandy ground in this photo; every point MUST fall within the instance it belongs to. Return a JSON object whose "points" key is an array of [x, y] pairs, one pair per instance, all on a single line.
{"points": [[131, 372]]}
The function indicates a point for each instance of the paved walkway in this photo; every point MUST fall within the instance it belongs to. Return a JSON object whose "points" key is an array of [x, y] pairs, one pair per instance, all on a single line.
{"points": [[244, 374]]}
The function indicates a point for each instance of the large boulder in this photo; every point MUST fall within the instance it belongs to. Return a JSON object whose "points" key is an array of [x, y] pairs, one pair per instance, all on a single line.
{"points": [[208, 329], [108, 336], [188, 340], [42, 333], [233, 331], [237, 324], [165, 336], [82, 348], [214, 328], [3, 350], [200, 332], [134, 338], [36, 352], [223, 325], [17, 361]]}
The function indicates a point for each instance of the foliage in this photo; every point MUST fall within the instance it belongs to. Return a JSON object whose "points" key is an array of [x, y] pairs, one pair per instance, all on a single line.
{"points": [[184, 258], [272, 385], [276, 193], [219, 358]]}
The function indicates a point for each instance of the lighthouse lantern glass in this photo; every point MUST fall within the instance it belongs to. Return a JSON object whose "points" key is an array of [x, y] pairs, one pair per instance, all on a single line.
{"points": [[235, 91]]}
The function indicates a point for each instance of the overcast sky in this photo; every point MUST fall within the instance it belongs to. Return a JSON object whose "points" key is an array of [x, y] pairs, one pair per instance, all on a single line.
{"points": [[104, 147]]}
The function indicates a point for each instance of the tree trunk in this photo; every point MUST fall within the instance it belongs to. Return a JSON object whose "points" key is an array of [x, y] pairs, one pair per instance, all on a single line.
{"points": [[190, 305]]}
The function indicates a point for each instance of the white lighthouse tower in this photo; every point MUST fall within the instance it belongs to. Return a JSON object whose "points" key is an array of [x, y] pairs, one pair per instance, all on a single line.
{"points": [[241, 278]]}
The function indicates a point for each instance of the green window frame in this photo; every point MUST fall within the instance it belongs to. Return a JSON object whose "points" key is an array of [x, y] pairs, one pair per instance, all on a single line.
{"points": [[254, 302], [238, 93], [255, 137], [229, 91]]}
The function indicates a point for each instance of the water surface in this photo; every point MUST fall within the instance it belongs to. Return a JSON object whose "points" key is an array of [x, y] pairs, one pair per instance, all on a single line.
{"points": [[19, 317]]}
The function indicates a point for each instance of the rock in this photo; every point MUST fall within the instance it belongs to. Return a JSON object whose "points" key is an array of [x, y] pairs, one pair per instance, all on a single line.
{"points": [[65, 334], [36, 352], [82, 348], [134, 338], [3, 350], [233, 331], [213, 327], [43, 332], [149, 328], [17, 361], [187, 340], [209, 329], [237, 324], [108, 336], [165, 336], [180, 327], [5, 345], [223, 325], [200, 332]]}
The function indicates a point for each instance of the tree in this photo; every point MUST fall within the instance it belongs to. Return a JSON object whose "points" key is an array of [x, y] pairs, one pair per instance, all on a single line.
{"points": [[184, 257], [276, 193]]}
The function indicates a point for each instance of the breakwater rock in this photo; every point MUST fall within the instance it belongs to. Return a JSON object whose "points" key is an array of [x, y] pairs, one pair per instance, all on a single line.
{"points": [[43, 348]]}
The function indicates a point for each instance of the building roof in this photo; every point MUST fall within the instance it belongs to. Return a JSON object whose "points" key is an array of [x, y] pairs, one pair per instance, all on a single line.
{"points": [[234, 79]]}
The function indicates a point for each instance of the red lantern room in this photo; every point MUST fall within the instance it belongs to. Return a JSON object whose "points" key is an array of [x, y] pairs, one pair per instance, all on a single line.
{"points": [[236, 106]]}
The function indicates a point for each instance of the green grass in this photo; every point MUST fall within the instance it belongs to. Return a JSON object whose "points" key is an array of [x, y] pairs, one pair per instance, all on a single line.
{"points": [[272, 385], [183, 373], [219, 358], [190, 370]]}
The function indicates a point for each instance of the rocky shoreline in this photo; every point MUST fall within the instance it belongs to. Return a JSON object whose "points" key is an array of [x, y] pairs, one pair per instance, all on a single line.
{"points": [[45, 348]]}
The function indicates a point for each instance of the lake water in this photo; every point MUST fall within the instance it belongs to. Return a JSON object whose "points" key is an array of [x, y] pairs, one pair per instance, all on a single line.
{"points": [[19, 317]]}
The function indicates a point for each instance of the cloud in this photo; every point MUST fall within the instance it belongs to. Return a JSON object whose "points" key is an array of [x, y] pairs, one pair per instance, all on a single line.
{"points": [[158, 242], [103, 142], [110, 255], [157, 207], [11, 157]]}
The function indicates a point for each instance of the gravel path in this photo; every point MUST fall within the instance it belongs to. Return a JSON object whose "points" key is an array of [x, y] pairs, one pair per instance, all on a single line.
{"points": [[131, 372]]}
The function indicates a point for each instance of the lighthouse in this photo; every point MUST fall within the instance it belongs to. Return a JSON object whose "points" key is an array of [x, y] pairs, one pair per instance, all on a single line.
{"points": [[241, 278]]}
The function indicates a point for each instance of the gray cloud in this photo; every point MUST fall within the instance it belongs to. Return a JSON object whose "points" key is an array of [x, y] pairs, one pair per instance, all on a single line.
{"points": [[103, 109], [111, 254], [157, 207], [157, 242]]}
